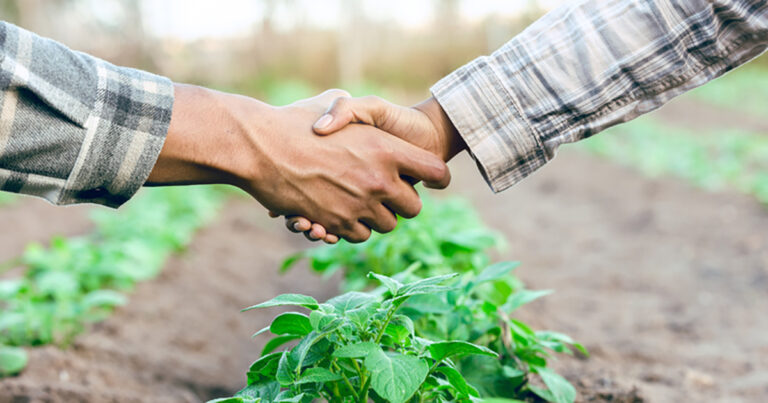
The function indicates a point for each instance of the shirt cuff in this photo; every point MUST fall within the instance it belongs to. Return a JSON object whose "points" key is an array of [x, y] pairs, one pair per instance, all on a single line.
{"points": [[125, 133], [487, 114]]}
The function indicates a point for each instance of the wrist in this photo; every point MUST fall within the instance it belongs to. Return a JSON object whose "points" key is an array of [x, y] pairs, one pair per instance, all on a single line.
{"points": [[207, 142], [448, 137]]}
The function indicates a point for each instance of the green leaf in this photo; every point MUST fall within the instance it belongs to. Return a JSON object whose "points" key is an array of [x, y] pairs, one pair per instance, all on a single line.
{"points": [[457, 381], [286, 369], [12, 360], [392, 285], [358, 350], [262, 331], [324, 322], [291, 363], [360, 315], [560, 389], [290, 261], [522, 297], [322, 375], [265, 366], [291, 323], [395, 377], [230, 400], [278, 341], [444, 349], [350, 301], [495, 272], [103, 298], [427, 285], [266, 390], [287, 299], [399, 328], [501, 400]]}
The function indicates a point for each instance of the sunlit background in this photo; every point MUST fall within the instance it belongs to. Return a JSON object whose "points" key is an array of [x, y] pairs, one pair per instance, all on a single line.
{"points": [[653, 235]]}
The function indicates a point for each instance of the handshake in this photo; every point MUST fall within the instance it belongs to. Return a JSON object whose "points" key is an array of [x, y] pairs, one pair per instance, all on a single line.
{"points": [[334, 166]]}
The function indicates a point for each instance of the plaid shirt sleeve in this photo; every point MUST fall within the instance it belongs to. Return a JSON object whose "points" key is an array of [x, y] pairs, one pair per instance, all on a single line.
{"points": [[74, 128], [589, 65]]}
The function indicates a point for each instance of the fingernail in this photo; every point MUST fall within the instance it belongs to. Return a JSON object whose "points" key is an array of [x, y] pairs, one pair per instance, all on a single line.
{"points": [[296, 224], [323, 122]]}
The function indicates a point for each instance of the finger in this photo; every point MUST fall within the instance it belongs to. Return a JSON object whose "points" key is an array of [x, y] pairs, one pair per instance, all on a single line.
{"points": [[331, 239], [317, 231], [358, 232], [422, 165], [406, 202], [329, 96], [381, 220], [273, 214], [297, 224], [343, 111]]}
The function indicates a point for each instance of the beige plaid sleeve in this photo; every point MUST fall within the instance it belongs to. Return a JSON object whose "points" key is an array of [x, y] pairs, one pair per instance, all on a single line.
{"points": [[73, 128], [589, 65]]}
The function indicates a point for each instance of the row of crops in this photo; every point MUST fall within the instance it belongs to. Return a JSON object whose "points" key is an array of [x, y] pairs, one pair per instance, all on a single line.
{"points": [[435, 324], [53, 293], [733, 158], [425, 316]]}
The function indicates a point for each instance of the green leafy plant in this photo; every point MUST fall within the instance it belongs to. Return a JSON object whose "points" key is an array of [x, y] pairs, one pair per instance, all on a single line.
{"points": [[77, 281], [356, 347], [478, 309], [475, 305]]}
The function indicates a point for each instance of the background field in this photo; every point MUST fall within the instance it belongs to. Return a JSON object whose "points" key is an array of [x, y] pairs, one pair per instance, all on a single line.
{"points": [[653, 234]]}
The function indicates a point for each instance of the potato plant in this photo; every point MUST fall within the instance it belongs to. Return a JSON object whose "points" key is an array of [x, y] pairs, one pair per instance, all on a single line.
{"points": [[449, 238], [356, 347]]}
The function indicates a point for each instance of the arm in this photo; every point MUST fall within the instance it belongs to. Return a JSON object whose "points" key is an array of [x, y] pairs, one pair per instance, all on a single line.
{"points": [[73, 128], [580, 69], [590, 65], [77, 129]]}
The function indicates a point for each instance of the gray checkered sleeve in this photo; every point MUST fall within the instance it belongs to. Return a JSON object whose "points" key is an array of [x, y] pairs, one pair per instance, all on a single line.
{"points": [[74, 128], [589, 65]]}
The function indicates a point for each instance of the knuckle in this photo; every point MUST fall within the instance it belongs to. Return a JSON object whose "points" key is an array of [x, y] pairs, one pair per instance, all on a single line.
{"points": [[338, 93]]}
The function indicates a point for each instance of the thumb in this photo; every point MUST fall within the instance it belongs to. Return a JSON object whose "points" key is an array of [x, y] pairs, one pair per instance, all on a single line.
{"points": [[345, 110]]}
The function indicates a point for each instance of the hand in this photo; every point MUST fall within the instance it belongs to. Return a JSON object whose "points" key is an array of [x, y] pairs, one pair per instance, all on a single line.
{"points": [[349, 183], [425, 125]]}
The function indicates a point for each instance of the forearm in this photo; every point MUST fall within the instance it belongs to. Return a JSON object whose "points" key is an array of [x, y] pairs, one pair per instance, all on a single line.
{"points": [[206, 143], [590, 65], [73, 128]]}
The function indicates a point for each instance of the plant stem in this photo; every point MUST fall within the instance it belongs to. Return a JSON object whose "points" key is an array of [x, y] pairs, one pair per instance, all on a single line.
{"points": [[364, 391], [390, 314], [346, 380]]}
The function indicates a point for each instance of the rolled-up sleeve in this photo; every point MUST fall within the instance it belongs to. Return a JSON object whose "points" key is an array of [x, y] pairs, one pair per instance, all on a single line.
{"points": [[589, 65], [73, 128]]}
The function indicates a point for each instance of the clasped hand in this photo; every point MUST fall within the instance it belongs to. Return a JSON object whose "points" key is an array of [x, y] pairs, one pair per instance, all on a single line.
{"points": [[425, 126]]}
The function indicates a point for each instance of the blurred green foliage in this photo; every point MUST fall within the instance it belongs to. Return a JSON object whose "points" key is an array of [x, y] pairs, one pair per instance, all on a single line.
{"points": [[744, 89], [715, 160], [7, 198], [446, 237], [76, 281]]}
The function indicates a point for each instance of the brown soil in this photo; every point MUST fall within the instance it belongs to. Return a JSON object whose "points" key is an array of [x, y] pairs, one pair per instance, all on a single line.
{"points": [[30, 219], [181, 338], [665, 284]]}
